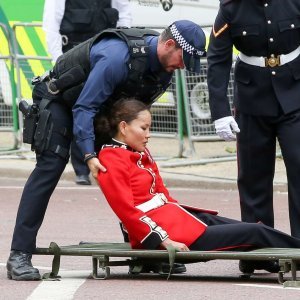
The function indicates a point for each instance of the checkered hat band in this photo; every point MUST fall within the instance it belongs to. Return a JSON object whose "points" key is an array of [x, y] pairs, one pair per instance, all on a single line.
{"points": [[183, 43]]}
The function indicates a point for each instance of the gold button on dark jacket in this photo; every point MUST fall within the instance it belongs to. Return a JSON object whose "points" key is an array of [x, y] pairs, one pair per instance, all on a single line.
{"points": [[243, 24]]}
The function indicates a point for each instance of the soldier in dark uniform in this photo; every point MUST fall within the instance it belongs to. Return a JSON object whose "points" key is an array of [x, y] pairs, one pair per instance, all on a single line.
{"points": [[135, 62], [267, 98]]}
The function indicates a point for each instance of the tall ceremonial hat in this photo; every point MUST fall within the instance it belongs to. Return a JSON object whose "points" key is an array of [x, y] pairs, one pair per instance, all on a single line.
{"points": [[191, 39]]}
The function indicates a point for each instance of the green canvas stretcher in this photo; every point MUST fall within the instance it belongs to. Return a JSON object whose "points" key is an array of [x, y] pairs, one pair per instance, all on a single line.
{"points": [[102, 252]]}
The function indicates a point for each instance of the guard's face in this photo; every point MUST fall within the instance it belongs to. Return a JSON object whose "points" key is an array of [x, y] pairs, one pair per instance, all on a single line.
{"points": [[170, 57], [137, 133]]}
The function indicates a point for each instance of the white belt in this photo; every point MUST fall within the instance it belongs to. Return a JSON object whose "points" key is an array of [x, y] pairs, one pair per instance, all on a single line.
{"points": [[157, 201], [272, 61]]}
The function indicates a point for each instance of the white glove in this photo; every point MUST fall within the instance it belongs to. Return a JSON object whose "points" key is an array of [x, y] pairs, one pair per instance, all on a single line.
{"points": [[226, 128]]}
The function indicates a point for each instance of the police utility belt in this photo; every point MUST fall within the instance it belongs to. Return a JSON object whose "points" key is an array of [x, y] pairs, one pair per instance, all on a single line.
{"points": [[273, 61], [157, 201]]}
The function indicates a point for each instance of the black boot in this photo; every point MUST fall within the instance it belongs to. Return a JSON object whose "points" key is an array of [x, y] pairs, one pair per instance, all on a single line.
{"points": [[19, 267], [165, 268], [83, 180], [248, 266]]}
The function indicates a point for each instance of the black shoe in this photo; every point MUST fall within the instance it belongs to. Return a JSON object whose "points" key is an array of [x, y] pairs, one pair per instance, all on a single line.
{"points": [[19, 267], [248, 266], [161, 268], [83, 180], [177, 268]]}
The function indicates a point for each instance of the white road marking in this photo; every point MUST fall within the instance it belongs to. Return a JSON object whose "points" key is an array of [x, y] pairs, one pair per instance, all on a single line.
{"points": [[267, 286], [63, 289]]}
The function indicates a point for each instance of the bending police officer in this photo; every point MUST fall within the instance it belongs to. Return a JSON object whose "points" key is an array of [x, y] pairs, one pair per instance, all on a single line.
{"points": [[115, 63], [67, 23], [266, 98]]}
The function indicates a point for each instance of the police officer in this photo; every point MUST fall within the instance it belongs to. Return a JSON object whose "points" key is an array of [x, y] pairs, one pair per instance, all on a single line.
{"points": [[267, 104], [117, 62], [70, 22]]}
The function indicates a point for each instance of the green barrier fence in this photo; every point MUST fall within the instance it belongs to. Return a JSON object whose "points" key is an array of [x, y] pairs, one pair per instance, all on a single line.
{"points": [[9, 125]]}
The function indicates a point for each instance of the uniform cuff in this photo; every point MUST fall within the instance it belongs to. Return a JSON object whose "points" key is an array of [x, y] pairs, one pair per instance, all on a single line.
{"points": [[155, 237], [153, 241], [86, 146]]}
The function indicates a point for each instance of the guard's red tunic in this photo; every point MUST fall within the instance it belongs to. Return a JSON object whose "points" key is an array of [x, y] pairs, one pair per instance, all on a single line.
{"points": [[132, 178]]}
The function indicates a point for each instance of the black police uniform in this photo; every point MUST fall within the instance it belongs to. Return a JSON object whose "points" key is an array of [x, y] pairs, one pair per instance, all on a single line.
{"points": [[266, 98], [81, 21]]}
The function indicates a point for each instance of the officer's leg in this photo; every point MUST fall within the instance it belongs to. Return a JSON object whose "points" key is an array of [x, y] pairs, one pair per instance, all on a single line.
{"points": [[289, 139], [36, 193], [80, 167], [256, 147]]}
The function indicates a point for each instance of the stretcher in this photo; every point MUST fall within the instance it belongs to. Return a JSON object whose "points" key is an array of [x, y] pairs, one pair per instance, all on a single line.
{"points": [[104, 257]]}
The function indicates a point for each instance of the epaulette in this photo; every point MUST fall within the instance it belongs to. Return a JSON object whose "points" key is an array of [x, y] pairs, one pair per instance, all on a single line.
{"points": [[225, 1]]}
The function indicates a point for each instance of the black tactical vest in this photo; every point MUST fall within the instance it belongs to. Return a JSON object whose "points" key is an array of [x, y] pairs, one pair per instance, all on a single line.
{"points": [[84, 18], [75, 65]]}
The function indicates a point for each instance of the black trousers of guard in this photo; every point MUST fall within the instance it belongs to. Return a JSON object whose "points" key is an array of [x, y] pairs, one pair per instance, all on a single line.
{"points": [[232, 235], [256, 145], [44, 178]]}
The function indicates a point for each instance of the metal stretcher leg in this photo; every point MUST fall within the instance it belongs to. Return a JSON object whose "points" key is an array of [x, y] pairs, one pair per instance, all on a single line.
{"points": [[288, 265], [102, 261]]}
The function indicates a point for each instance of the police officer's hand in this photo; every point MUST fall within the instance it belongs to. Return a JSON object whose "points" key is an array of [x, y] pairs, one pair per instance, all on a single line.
{"points": [[95, 166], [226, 128]]}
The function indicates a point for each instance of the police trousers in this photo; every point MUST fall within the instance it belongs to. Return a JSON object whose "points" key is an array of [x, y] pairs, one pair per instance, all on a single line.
{"points": [[40, 185], [256, 148]]}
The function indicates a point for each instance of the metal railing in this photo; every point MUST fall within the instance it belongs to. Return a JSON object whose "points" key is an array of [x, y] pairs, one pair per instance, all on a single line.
{"points": [[199, 125], [197, 104], [8, 108], [27, 65], [167, 120]]}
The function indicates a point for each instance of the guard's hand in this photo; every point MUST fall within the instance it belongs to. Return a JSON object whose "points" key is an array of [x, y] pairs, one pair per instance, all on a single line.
{"points": [[95, 166], [226, 128], [177, 245]]}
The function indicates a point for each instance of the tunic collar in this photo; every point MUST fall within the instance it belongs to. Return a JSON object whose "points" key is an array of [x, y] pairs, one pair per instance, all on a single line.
{"points": [[117, 144]]}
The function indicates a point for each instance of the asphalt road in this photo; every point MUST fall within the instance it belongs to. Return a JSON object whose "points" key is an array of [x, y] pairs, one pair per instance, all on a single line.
{"points": [[81, 213]]}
